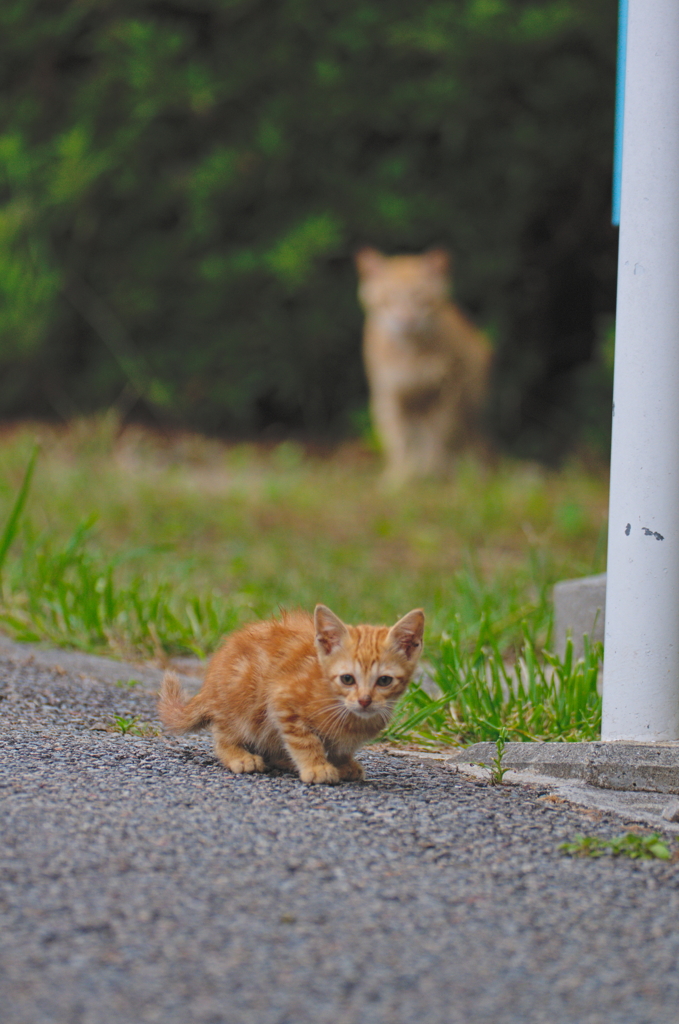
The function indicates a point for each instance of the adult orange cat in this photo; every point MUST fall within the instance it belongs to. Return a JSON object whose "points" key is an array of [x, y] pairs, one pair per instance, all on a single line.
{"points": [[428, 367], [299, 692]]}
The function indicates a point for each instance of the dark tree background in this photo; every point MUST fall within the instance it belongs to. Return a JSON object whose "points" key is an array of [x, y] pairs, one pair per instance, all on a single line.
{"points": [[183, 186]]}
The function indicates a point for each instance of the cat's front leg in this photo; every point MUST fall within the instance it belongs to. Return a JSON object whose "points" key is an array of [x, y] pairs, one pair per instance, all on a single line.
{"points": [[306, 750], [320, 772]]}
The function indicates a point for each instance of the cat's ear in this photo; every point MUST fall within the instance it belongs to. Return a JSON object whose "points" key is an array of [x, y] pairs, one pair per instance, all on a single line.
{"points": [[438, 261], [368, 261], [406, 635], [330, 631]]}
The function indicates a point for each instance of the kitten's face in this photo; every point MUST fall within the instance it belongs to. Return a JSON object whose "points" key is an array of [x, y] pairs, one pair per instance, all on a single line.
{"points": [[368, 667], [367, 688]]}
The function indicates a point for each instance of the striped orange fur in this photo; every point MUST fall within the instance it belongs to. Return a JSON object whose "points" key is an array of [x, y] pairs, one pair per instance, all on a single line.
{"points": [[299, 693]]}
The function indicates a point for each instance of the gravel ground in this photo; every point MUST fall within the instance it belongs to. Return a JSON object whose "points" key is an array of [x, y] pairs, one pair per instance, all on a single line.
{"points": [[141, 882]]}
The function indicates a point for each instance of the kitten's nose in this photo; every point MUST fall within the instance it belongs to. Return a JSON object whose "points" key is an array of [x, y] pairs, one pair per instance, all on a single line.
{"points": [[365, 702]]}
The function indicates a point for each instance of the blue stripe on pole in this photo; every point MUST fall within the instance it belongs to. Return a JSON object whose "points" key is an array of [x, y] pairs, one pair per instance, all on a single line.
{"points": [[619, 109]]}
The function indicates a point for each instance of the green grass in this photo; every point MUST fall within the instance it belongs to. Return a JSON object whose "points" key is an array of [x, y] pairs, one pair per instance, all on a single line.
{"points": [[132, 725], [485, 697], [637, 847], [73, 594], [144, 546], [496, 770]]}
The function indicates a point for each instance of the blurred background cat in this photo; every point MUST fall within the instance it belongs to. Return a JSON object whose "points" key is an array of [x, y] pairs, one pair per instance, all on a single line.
{"points": [[427, 365]]}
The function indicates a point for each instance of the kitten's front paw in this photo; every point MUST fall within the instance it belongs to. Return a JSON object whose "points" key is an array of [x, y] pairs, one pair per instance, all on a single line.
{"points": [[326, 773], [352, 771], [246, 762]]}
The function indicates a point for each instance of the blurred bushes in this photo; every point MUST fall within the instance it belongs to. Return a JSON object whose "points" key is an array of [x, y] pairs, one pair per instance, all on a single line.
{"points": [[184, 184]]}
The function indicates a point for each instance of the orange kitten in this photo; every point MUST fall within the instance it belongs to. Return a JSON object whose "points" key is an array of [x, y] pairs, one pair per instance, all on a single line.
{"points": [[299, 693]]}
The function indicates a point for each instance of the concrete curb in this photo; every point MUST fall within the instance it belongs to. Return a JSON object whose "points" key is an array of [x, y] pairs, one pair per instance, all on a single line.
{"points": [[635, 767]]}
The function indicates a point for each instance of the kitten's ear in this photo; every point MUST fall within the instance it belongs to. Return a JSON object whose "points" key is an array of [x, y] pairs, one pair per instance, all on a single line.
{"points": [[368, 261], [330, 631], [406, 635]]}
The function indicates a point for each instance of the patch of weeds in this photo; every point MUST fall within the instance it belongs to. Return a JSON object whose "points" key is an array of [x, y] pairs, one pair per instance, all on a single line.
{"points": [[630, 844], [128, 684], [484, 695], [72, 595], [125, 723], [128, 725], [495, 768]]}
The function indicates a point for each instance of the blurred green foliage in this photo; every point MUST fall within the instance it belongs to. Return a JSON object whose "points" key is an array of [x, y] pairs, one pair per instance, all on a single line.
{"points": [[183, 185]]}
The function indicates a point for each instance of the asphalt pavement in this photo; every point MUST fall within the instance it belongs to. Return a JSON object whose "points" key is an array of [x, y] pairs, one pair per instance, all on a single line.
{"points": [[142, 882]]}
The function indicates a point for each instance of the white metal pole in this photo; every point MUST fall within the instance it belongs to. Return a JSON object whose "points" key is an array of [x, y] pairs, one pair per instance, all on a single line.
{"points": [[641, 667]]}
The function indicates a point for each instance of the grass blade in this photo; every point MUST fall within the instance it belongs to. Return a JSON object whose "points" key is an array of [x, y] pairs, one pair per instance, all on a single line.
{"points": [[12, 524]]}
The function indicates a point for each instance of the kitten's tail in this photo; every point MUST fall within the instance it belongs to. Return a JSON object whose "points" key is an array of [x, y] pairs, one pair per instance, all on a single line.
{"points": [[175, 712]]}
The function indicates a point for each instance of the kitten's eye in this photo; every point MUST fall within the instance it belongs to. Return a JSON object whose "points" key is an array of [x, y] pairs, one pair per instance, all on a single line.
{"points": [[385, 680], [347, 679]]}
